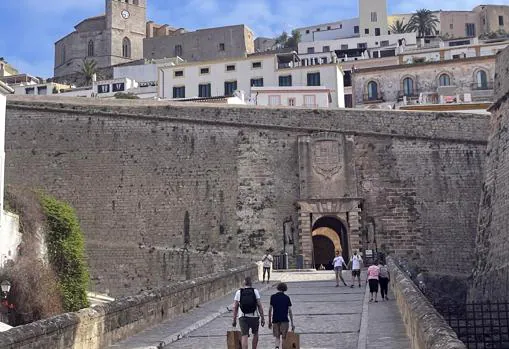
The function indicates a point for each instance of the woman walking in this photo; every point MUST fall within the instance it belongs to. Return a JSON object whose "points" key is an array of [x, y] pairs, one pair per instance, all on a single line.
{"points": [[373, 272], [383, 278]]}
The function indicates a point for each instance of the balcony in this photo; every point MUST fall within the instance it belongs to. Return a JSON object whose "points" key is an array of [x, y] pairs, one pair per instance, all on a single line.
{"points": [[476, 86], [368, 98], [414, 94], [482, 92]]}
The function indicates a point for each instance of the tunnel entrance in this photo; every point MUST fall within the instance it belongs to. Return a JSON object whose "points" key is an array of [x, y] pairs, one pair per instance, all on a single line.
{"points": [[329, 235]]}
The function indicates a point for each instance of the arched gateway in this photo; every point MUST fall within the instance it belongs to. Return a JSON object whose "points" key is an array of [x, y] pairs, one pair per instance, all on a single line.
{"points": [[329, 206]]}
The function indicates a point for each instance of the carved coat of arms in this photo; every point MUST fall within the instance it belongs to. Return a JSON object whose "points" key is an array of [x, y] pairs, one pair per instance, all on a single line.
{"points": [[326, 158]]}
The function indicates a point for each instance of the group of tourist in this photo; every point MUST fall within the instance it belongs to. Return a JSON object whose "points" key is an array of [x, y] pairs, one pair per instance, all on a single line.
{"points": [[248, 310], [378, 275]]}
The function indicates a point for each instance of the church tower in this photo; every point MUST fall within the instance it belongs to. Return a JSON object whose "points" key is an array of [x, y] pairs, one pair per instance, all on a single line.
{"points": [[126, 24]]}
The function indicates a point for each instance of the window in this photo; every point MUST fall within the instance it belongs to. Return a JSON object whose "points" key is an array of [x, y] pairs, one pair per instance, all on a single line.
{"points": [[230, 87], [117, 87], [30, 90], [178, 73], [329, 27], [90, 52], [274, 100], [285, 80], [451, 26], [377, 31], [366, 31], [470, 29], [323, 60], [63, 54], [344, 46], [310, 101], [326, 49], [257, 82], [444, 80], [178, 50], [408, 87], [356, 29], [313, 79], [363, 45], [481, 80], [307, 31], [372, 91], [230, 67], [126, 48], [384, 43], [311, 50], [103, 88], [42, 90], [317, 29], [179, 92], [221, 47], [204, 90], [347, 78], [292, 102], [204, 71], [257, 65], [348, 101], [501, 20], [374, 17], [341, 26]]}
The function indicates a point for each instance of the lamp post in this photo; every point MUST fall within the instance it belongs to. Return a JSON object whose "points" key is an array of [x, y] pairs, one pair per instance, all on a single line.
{"points": [[285, 256], [6, 288]]}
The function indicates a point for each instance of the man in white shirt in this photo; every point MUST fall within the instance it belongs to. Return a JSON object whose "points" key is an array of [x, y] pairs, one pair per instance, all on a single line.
{"points": [[356, 263], [267, 260], [338, 268], [248, 308]]}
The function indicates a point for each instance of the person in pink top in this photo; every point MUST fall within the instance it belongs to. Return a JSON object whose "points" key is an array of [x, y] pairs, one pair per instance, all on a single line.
{"points": [[373, 273]]}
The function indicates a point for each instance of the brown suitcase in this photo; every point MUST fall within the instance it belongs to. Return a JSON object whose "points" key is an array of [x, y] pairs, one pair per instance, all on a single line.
{"points": [[292, 341], [233, 339]]}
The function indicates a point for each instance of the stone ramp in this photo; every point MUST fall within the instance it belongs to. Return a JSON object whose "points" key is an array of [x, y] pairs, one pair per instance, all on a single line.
{"points": [[326, 317]]}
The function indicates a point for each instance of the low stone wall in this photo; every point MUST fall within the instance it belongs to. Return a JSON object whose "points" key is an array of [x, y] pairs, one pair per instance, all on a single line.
{"points": [[425, 327], [100, 326]]}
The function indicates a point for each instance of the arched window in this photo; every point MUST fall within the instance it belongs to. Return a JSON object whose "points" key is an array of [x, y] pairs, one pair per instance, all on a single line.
{"points": [[444, 80], [90, 48], [372, 91], [408, 87], [481, 79], [126, 48]]}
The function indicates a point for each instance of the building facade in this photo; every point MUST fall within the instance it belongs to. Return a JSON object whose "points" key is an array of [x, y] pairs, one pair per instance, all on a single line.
{"points": [[110, 39], [224, 77], [202, 44]]}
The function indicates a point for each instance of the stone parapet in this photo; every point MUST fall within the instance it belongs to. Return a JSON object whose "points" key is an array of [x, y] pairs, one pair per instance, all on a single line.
{"points": [[102, 325], [426, 328]]}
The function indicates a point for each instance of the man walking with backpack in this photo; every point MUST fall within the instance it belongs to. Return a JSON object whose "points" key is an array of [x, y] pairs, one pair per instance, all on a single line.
{"points": [[248, 300]]}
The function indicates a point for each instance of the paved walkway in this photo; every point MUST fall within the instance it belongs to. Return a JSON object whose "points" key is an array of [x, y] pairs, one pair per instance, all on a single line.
{"points": [[326, 317]]}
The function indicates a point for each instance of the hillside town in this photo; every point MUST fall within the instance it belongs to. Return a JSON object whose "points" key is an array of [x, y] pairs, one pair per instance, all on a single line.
{"points": [[337, 185], [427, 60]]}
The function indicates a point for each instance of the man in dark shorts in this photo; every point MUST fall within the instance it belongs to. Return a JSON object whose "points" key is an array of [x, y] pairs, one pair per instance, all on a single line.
{"points": [[249, 309], [281, 304]]}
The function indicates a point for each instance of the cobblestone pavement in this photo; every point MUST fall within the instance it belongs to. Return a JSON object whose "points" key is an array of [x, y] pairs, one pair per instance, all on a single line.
{"points": [[326, 317]]}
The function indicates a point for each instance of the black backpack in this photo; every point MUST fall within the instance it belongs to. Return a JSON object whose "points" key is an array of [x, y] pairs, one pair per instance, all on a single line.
{"points": [[248, 302]]}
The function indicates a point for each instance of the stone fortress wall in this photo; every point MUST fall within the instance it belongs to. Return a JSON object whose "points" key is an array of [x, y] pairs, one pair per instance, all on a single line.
{"points": [[149, 180], [491, 273]]}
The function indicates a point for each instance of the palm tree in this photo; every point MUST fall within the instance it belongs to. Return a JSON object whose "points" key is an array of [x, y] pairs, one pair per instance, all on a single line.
{"points": [[424, 22], [399, 27], [88, 69]]}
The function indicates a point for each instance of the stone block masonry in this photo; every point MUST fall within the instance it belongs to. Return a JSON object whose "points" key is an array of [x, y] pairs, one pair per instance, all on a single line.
{"points": [[223, 179], [103, 325], [491, 274]]}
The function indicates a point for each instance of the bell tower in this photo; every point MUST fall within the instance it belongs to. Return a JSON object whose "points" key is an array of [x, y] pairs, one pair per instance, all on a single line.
{"points": [[126, 22]]}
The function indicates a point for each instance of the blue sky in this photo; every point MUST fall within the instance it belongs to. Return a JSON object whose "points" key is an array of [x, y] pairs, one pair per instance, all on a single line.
{"points": [[30, 27]]}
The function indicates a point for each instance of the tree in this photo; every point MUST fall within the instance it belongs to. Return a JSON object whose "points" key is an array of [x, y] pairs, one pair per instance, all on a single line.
{"points": [[88, 69], [399, 27], [424, 22], [285, 41]]}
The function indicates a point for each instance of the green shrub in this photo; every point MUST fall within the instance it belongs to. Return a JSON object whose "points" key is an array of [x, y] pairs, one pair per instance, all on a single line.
{"points": [[66, 252]]}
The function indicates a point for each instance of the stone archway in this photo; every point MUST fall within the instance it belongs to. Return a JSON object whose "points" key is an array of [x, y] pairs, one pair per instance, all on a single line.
{"points": [[331, 235], [332, 228]]}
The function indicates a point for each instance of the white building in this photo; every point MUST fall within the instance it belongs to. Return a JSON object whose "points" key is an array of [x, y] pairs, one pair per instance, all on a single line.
{"points": [[294, 96], [39, 89], [223, 77], [330, 31]]}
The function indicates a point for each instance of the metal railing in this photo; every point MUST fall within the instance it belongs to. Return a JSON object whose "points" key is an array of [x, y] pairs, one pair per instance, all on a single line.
{"points": [[280, 262], [475, 86], [368, 98], [479, 325]]}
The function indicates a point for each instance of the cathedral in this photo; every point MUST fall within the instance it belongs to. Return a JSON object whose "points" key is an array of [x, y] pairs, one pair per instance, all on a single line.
{"points": [[110, 39]]}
